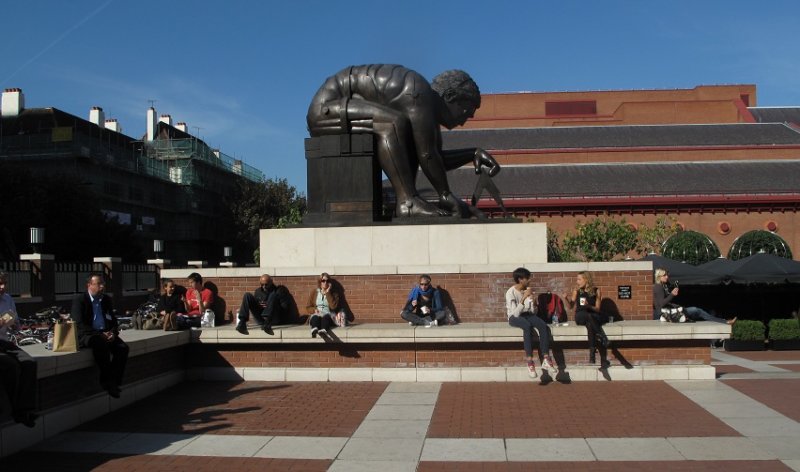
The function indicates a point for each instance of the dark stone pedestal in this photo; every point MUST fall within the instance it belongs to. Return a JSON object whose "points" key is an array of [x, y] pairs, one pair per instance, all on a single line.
{"points": [[344, 181]]}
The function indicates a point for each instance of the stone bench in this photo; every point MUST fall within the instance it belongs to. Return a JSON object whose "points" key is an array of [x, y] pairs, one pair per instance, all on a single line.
{"points": [[641, 350], [70, 394]]}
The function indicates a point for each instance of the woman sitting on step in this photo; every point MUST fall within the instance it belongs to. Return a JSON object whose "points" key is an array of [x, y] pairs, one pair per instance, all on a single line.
{"points": [[587, 313]]}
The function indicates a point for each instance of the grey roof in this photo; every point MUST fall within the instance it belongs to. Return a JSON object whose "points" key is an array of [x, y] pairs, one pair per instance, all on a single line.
{"points": [[776, 114], [622, 136], [643, 179]]}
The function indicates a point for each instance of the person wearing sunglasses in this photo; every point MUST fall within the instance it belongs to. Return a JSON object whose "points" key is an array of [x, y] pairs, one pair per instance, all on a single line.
{"points": [[424, 305], [324, 306]]}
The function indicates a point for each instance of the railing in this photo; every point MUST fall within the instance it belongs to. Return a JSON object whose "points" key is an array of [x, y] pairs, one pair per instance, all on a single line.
{"points": [[21, 279], [139, 277], [71, 276]]}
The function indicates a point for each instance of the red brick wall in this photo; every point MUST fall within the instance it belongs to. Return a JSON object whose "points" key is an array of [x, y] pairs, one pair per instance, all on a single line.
{"points": [[475, 297], [498, 354]]}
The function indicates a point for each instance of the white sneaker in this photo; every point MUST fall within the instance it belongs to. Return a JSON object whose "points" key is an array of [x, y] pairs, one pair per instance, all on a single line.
{"points": [[410, 323], [322, 331], [546, 365], [435, 323], [532, 370], [683, 319], [662, 319]]}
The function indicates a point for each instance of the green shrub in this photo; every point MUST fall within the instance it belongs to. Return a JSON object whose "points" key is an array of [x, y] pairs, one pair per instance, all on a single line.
{"points": [[756, 241], [784, 329], [690, 247], [748, 330]]}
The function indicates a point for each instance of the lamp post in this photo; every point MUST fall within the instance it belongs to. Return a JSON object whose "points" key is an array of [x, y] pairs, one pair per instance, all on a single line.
{"points": [[158, 247], [37, 239], [227, 251]]}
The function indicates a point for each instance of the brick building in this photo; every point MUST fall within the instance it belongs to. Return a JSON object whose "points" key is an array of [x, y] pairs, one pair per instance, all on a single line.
{"points": [[168, 184], [707, 156]]}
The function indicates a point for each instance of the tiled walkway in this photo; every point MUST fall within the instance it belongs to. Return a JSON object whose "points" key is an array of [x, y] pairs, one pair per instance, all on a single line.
{"points": [[746, 420]]}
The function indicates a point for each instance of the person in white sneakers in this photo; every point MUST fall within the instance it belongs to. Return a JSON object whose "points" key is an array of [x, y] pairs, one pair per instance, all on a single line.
{"points": [[521, 312], [424, 305]]}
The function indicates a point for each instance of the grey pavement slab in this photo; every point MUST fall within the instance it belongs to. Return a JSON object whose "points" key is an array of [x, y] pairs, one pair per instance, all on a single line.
{"points": [[150, 443], [764, 427], [709, 449], [400, 412], [413, 387], [740, 409], [392, 429], [784, 448], [564, 449], [633, 449], [757, 366], [366, 449], [224, 445], [463, 449], [302, 447], [372, 466], [407, 398], [79, 441]]}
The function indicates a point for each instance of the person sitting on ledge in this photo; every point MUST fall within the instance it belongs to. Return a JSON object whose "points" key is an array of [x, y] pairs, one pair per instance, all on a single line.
{"points": [[405, 112], [663, 296], [424, 305], [324, 306], [521, 312], [266, 304], [197, 301]]}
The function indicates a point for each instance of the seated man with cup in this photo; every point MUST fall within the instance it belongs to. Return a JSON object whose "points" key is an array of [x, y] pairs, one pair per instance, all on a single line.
{"points": [[424, 305]]}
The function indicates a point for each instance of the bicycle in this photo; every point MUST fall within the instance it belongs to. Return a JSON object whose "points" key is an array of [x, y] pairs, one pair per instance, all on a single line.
{"points": [[35, 330]]}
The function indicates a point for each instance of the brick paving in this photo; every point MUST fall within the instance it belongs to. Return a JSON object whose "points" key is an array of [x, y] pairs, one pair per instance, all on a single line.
{"points": [[249, 408], [578, 410], [782, 395], [65, 462], [614, 411]]}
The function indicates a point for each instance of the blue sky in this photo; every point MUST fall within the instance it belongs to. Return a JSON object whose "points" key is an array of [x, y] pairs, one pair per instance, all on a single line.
{"points": [[241, 73]]}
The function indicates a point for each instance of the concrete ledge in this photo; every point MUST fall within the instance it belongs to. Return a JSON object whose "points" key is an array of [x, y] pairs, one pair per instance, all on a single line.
{"points": [[15, 437], [636, 330], [51, 363]]}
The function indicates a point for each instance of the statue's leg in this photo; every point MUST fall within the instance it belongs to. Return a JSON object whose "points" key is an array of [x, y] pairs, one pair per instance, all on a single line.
{"points": [[394, 153]]}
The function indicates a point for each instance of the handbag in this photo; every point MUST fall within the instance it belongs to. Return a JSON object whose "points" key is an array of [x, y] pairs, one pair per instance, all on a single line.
{"points": [[673, 314], [65, 337]]}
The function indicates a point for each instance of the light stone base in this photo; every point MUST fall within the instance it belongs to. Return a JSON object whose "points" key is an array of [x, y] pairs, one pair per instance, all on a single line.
{"points": [[410, 246], [454, 374]]}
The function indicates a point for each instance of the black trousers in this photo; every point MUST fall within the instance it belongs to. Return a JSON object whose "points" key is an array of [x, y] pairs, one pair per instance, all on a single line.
{"points": [[594, 322], [321, 322], [111, 358], [18, 378], [264, 315]]}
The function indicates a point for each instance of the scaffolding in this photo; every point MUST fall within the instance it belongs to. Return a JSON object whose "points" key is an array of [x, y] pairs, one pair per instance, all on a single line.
{"points": [[173, 160]]}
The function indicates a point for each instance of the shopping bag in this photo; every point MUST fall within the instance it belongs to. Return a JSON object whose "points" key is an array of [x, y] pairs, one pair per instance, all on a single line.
{"points": [[65, 337]]}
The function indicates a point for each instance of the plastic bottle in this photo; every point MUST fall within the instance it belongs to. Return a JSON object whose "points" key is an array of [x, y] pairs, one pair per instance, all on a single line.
{"points": [[49, 345]]}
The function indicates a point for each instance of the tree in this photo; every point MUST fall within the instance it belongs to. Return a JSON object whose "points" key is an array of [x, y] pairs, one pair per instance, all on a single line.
{"points": [[690, 247], [262, 205], [75, 227], [600, 240], [759, 240], [650, 239]]}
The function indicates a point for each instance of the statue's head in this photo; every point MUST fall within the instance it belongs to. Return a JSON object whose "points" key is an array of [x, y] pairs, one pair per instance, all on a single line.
{"points": [[456, 85]]}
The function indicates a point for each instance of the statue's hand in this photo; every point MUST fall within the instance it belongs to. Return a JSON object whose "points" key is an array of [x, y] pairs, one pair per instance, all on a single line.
{"points": [[484, 159]]}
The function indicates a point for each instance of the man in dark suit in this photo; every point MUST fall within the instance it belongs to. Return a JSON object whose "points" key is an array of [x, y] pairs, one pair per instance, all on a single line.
{"points": [[96, 323]]}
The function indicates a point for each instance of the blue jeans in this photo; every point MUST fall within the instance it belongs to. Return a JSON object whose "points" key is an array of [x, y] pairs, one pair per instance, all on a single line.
{"points": [[527, 322], [698, 314]]}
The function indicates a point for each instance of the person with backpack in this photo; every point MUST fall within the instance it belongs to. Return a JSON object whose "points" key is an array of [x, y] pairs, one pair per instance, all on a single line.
{"points": [[521, 312], [587, 313]]}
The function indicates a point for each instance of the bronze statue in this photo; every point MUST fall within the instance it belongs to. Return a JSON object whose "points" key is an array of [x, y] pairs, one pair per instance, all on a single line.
{"points": [[405, 112]]}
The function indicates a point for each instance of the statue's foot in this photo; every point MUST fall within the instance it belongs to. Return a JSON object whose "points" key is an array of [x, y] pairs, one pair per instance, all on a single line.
{"points": [[419, 207]]}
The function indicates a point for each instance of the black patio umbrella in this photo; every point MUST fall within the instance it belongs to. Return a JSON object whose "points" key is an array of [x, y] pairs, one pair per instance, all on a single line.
{"points": [[763, 268], [685, 274], [719, 265]]}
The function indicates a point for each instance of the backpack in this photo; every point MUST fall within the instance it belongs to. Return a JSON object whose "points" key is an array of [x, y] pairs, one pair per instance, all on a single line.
{"points": [[549, 305]]}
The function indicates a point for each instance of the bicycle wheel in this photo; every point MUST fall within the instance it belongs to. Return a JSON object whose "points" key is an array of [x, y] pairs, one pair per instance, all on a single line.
{"points": [[28, 341]]}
